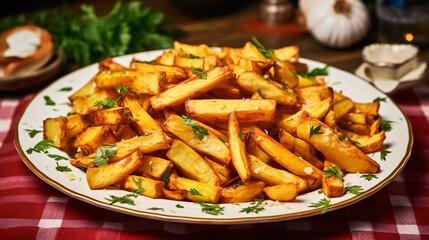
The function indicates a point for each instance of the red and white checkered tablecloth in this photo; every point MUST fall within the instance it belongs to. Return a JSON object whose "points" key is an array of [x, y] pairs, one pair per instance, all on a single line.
{"points": [[31, 209]]}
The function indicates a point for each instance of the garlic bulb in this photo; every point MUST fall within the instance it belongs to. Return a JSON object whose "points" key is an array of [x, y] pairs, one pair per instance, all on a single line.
{"points": [[305, 5], [338, 23]]}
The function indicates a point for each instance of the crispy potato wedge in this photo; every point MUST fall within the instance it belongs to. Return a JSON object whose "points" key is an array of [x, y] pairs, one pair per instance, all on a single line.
{"points": [[238, 148], [178, 195], [167, 58], [299, 148], [313, 94], [112, 116], [330, 119], [362, 129], [151, 188], [224, 173], [195, 50], [84, 105], [283, 74], [218, 110], [93, 137], [253, 82], [254, 150], [284, 192], [247, 192], [283, 156], [359, 118], [99, 177], [273, 176], [154, 167], [368, 108], [55, 129], [340, 152], [287, 53], [342, 108], [191, 88], [210, 145], [123, 132], [141, 83], [191, 164], [76, 124], [367, 143], [196, 190], [109, 65], [172, 74], [332, 186]]}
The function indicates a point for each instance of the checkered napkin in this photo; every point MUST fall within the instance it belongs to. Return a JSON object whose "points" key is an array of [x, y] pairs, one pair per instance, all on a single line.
{"points": [[31, 209]]}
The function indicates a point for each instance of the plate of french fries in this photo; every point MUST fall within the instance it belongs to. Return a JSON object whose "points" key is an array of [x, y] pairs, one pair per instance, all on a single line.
{"points": [[214, 135]]}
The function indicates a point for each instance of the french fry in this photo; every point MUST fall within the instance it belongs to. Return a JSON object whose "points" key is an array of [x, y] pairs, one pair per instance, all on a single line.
{"points": [[284, 75], [150, 188], [196, 190], [368, 108], [190, 88], [273, 176], [313, 94], [299, 148], [367, 143], [283, 156], [362, 129], [253, 82], [359, 118], [238, 149], [191, 164], [123, 132], [332, 186], [147, 83], [195, 50], [93, 137], [224, 173], [330, 119], [210, 144], [84, 105], [342, 108], [287, 53], [99, 177], [112, 116], [178, 195], [247, 192], [284, 192], [340, 152], [218, 110], [109, 65], [154, 167], [254, 150], [55, 129], [172, 74]]}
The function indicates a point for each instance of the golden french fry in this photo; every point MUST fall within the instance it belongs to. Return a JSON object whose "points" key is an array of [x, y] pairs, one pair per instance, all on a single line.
{"points": [[224, 173], [367, 143], [191, 164], [178, 195], [148, 187], [368, 108], [340, 152], [173, 74], [237, 147], [332, 186], [342, 108], [284, 192], [287, 53], [123, 132], [93, 137], [99, 177], [154, 167], [247, 192], [283, 74], [109, 65], [313, 94], [195, 50], [254, 150], [55, 129], [359, 118], [112, 116]]}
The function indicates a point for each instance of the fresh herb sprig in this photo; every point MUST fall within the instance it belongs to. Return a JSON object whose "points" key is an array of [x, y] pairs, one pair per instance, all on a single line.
{"points": [[62, 168], [48, 101], [385, 125], [57, 157], [66, 89], [213, 209], [103, 153], [322, 203], [315, 130], [138, 183], [124, 199], [254, 207], [369, 176], [41, 146], [269, 53], [194, 192], [122, 91], [333, 171], [33, 132], [383, 154], [315, 72], [379, 99], [199, 131], [106, 103], [355, 189], [166, 177]]}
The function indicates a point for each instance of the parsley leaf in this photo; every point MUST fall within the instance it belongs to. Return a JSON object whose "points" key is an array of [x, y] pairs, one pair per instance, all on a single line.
{"points": [[379, 99], [41, 146], [48, 100], [194, 192], [341, 137], [241, 135], [223, 139], [333, 171], [62, 168], [315, 72], [199, 131], [102, 155], [32, 132], [369, 176], [385, 125], [122, 91], [259, 92], [322, 202], [124, 199], [315, 130], [66, 89], [266, 52], [200, 74], [156, 209], [179, 206], [106, 103], [355, 189], [57, 157], [197, 69], [213, 209], [239, 183], [166, 177], [383, 154], [138, 183], [254, 207]]}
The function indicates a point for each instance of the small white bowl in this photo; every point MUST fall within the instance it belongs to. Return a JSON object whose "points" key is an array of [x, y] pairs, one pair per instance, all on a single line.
{"points": [[390, 61]]}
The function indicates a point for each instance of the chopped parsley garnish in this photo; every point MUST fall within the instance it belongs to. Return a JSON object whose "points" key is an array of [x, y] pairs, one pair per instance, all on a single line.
{"points": [[194, 192], [103, 153], [341, 137], [124, 199], [147, 134], [266, 52], [320, 191], [138, 183], [223, 139], [289, 120], [66, 89], [315, 72], [82, 168], [118, 127], [200, 75], [179, 206], [156, 209], [259, 92], [62, 168], [379, 99], [385, 125], [239, 183], [106, 103], [255, 207], [122, 91], [322, 202], [383, 154], [41, 146], [355, 142], [213, 209], [32, 132], [333, 171], [369, 176], [315, 130], [166, 177], [128, 117], [355, 189], [197, 69], [70, 114], [199, 131], [241, 135], [57, 157], [48, 100]]}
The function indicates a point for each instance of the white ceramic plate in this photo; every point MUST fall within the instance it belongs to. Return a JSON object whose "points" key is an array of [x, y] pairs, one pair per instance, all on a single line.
{"points": [[399, 141]]}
